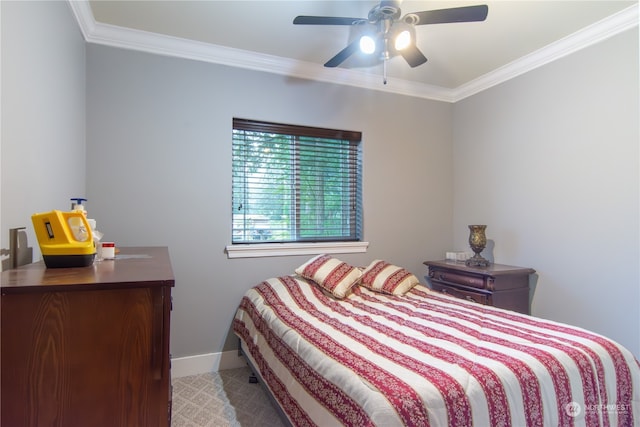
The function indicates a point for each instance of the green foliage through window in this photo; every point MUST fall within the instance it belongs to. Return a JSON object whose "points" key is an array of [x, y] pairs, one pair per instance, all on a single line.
{"points": [[295, 183]]}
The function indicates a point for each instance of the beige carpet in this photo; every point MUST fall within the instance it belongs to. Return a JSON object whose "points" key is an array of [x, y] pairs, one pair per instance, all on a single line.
{"points": [[221, 399]]}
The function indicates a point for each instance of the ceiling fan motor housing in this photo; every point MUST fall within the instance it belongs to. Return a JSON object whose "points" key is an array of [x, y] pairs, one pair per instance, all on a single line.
{"points": [[382, 12]]}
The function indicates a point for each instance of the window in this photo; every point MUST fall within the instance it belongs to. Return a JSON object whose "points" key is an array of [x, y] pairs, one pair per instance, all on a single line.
{"points": [[295, 184]]}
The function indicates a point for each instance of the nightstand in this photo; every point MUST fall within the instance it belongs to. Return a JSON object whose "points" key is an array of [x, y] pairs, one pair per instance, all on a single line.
{"points": [[498, 285]]}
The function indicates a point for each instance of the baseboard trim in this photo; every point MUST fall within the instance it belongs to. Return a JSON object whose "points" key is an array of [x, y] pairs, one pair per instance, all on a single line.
{"points": [[203, 363]]}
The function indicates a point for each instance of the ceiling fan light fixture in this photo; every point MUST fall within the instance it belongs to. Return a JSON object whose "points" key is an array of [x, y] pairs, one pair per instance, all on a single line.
{"points": [[402, 40], [367, 44]]}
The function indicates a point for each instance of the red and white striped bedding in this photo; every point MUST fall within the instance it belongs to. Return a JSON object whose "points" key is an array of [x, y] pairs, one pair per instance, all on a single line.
{"points": [[427, 359]]}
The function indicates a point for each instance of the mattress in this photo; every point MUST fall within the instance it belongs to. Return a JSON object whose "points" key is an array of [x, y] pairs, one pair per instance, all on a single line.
{"points": [[428, 359]]}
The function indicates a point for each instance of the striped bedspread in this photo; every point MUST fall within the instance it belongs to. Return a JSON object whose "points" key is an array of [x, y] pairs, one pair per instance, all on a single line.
{"points": [[427, 359]]}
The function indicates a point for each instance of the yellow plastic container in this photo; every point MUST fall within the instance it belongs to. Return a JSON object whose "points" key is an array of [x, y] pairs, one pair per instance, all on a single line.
{"points": [[65, 238]]}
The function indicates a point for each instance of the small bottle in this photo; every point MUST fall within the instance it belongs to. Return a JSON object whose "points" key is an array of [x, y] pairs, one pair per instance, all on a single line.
{"points": [[76, 204], [108, 250], [77, 226]]}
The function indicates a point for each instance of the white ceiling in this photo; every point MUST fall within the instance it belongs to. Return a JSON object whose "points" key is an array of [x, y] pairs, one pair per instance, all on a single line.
{"points": [[462, 57]]}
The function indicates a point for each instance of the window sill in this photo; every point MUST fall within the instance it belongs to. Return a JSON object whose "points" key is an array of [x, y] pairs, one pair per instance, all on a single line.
{"points": [[285, 249]]}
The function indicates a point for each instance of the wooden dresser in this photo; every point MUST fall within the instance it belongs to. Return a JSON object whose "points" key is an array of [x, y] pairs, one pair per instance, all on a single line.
{"points": [[502, 286], [87, 346]]}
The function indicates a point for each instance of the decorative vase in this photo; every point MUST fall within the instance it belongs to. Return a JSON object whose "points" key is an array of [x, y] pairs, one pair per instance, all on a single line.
{"points": [[477, 241]]}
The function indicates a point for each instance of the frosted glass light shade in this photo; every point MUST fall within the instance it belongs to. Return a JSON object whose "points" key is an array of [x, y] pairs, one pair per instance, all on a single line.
{"points": [[367, 45], [403, 40]]}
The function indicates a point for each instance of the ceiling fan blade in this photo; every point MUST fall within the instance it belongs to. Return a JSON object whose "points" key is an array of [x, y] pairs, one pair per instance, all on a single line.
{"points": [[325, 20], [343, 54], [413, 56], [456, 14]]}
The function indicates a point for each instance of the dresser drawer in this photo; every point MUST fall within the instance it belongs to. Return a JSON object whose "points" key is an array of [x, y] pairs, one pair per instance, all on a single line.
{"points": [[457, 278], [478, 297]]}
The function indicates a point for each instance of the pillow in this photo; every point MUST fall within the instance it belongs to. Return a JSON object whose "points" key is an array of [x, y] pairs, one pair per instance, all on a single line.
{"points": [[330, 274], [380, 276]]}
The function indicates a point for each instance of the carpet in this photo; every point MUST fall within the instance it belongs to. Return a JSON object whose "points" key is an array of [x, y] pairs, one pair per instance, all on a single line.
{"points": [[220, 399]]}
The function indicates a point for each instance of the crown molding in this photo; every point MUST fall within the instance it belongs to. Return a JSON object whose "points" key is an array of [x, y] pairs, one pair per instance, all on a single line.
{"points": [[597, 32], [127, 38]]}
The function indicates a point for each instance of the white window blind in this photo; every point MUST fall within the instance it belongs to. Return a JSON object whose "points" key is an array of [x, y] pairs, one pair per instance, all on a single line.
{"points": [[295, 183]]}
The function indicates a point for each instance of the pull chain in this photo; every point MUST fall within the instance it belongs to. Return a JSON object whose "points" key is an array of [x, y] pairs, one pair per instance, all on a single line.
{"points": [[384, 72]]}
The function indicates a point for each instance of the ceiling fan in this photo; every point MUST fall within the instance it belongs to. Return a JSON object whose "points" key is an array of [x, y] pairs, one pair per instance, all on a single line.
{"points": [[385, 34]]}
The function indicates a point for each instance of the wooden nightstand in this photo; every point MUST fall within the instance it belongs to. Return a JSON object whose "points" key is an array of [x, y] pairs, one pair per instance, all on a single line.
{"points": [[502, 286]]}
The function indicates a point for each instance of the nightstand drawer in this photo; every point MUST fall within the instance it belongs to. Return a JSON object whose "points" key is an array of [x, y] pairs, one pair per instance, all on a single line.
{"points": [[462, 294], [459, 279], [503, 286]]}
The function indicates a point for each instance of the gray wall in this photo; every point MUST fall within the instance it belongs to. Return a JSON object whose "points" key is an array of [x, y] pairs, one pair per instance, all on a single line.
{"points": [[549, 161], [159, 172], [43, 113]]}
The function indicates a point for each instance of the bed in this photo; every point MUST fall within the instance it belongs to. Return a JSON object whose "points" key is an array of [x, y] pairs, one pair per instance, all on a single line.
{"points": [[396, 354]]}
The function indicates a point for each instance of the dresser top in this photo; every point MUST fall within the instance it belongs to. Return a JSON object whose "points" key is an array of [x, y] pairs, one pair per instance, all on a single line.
{"points": [[491, 270], [133, 267]]}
